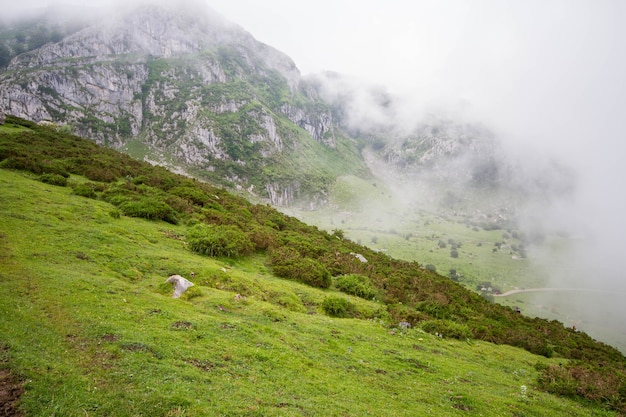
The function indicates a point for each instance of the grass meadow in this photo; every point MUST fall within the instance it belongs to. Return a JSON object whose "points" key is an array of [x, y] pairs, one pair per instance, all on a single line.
{"points": [[90, 329]]}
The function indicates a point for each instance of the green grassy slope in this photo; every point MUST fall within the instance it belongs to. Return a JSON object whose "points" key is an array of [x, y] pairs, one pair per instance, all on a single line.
{"points": [[91, 327]]}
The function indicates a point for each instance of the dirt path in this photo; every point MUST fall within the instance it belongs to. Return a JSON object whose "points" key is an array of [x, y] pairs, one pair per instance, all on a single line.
{"points": [[10, 389], [511, 292], [10, 392]]}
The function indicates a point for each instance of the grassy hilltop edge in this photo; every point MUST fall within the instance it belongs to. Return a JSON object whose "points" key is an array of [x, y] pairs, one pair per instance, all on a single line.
{"points": [[88, 236]]}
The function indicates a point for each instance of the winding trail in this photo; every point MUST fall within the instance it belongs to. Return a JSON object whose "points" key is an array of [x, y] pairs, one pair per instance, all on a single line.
{"points": [[511, 292]]}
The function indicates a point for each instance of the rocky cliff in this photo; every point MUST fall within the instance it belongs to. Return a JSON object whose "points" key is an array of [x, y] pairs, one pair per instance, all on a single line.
{"points": [[187, 90]]}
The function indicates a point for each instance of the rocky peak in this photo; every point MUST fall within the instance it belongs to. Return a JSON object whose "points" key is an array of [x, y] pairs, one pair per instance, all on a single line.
{"points": [[155, 31], [185, 89]]}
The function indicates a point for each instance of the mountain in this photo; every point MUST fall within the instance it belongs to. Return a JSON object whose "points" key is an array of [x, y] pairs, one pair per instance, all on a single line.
{"points": [[182, 87], [187, 90]]}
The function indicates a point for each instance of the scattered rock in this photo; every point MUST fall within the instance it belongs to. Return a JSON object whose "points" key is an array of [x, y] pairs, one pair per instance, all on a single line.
{"points": [[359, 257], [180, 285]]}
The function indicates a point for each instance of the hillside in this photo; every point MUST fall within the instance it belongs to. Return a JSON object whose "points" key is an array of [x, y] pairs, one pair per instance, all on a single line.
{"points": [[187, 90], [89, 236]]}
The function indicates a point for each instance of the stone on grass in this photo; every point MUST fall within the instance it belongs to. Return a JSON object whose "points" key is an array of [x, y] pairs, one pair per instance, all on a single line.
{"points": [[180, 285]]}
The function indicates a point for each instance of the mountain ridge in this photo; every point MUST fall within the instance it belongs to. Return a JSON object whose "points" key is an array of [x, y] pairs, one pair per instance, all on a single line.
{"points": [[195, 88]]}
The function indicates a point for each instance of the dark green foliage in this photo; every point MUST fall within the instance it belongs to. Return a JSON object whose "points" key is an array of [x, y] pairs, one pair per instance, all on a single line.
{"points": [[229, 241], [262, 237], [287, 263], [53, 179], [338, 233], [356, 284], [85, 190], [149, 208], [338, 307], [604, 384], [179, 205], [193, 194], [102, 174]]}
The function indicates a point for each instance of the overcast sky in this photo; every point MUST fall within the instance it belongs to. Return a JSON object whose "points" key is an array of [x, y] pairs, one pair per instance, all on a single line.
{"points": [[542, 69], [522, 62], [548, 75], [545, 74]]}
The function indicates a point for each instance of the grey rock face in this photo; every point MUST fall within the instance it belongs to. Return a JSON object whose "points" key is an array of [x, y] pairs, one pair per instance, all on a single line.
{"points": [[194, 91]]}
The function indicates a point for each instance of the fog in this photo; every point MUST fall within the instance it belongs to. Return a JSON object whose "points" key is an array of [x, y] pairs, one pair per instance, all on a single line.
{"points": [[547, 77]]}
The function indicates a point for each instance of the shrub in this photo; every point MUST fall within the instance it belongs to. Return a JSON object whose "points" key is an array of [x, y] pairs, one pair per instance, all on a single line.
{"points": [[338, 307], [262, 237], [192, 194], [287, 263], [55, 167], [101, 174], [22, 163], [305, 270], [219, 240], [85, 190], [53, 179], [282, 254], [180, 205], [402, 312], [355, 284], [148, 208], [601, 385], [447, 328]]}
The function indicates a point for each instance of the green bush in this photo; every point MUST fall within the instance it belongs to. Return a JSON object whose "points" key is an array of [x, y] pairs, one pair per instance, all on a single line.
{"points": [[148, 208], [56, 167], [219, 240], [22, 163], [192, 194], [95, 173], [447, 328], [338, 307], [53, 179], [305, 270], [85, 190], [262, 237], [355, 284], [601, 384]]}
